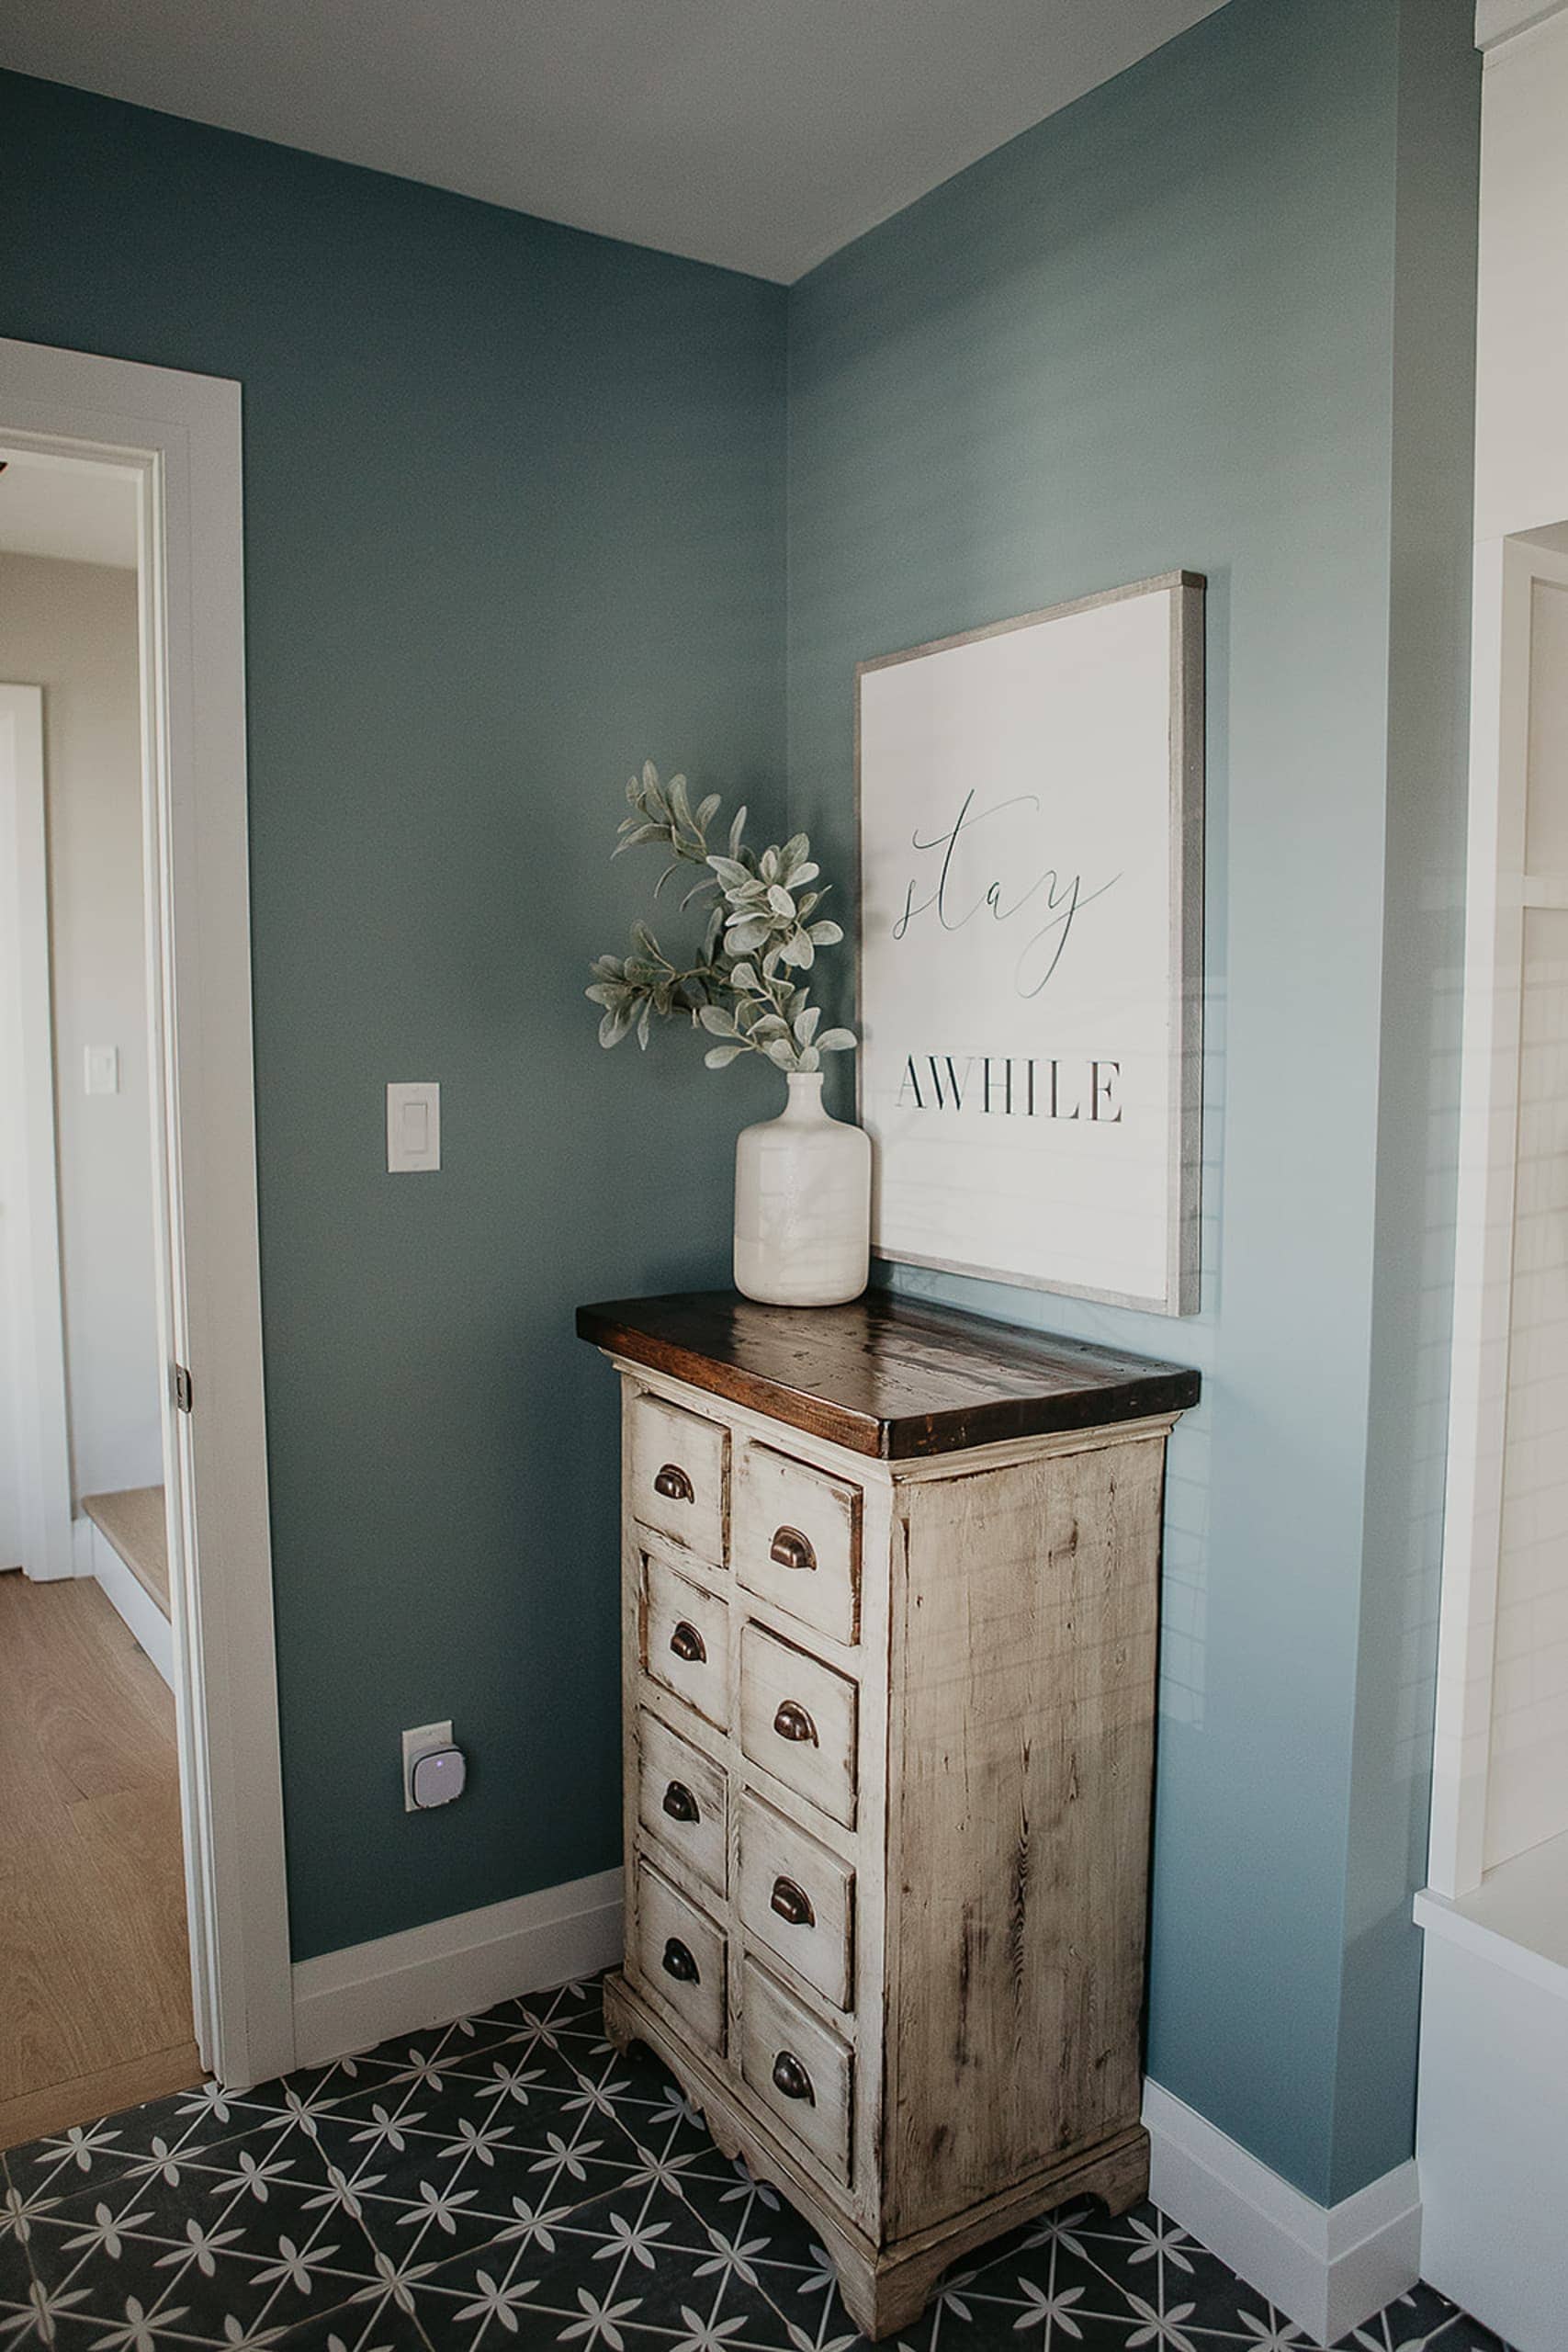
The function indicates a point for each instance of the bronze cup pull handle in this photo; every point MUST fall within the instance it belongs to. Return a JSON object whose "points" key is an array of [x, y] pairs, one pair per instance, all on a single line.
{"points": [[793, 1903], [673, 1485], [791, 1549], [791, 2077], [679, 1802], [791, 1722], [687, 1643], [678, 1963]]}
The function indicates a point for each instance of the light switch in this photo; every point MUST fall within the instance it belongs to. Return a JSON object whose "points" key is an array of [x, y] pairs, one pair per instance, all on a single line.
{"points": [[102, 1069], [413, 1125]]}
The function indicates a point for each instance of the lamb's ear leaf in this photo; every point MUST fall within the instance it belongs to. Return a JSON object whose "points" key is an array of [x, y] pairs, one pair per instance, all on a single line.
{"points": [[827, 934], [733, 875], [720, 1057], [781, 1050], [737, 826], [679, 802], [614, 1027], [717, 1019], [810, 1059], [644, 940], [639, 833], [837, 1041], [805, 1024], [706, 812]]}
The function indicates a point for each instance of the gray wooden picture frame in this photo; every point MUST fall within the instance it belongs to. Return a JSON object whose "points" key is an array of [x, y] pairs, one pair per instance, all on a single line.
{"points": [[1187, 590]]}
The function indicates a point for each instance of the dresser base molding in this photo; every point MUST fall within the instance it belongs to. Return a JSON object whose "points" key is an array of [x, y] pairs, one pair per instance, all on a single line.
{"points": [[884, 2288]]}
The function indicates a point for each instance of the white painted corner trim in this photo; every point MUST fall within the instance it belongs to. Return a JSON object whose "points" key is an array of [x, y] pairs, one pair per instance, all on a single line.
{"points": [[1328, 2267], [348, 2000]]}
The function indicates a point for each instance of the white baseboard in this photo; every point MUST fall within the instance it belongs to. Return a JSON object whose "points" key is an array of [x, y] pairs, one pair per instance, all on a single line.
{"points": [[132, 1600], [1328, 2267], [347, 2000], [82, 1533]]}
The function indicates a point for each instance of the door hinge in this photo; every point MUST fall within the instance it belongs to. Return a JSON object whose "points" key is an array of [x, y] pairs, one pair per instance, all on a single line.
{"points": [[184, 1389]]}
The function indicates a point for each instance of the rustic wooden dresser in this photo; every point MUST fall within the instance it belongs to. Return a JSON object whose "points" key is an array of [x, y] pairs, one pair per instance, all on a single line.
{"points": [[890, 1589]]}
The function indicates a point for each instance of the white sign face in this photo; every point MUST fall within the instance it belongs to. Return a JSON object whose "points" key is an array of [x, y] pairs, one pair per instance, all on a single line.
{"points": [[1030, 948]]}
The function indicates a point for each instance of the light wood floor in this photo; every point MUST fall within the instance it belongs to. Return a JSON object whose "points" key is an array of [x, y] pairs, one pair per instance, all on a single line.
{"points": [[94, 1978], [133, 1521]]}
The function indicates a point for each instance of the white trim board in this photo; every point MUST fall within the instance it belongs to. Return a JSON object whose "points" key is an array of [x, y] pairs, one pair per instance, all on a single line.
{"points": [[178, 437], [1328, 2267], [130, 1599], [348, 2000]]}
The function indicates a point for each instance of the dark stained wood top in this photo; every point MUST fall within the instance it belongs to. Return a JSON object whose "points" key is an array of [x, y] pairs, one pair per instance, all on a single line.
{"points": [[891, 1377]]}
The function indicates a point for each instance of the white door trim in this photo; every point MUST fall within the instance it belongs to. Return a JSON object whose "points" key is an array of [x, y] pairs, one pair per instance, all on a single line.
{"points": [[179, 434], [30, 1229], [1498, 892]]}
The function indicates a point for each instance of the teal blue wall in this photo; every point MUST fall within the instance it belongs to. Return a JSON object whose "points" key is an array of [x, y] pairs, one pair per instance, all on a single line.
{"points": [[1218, 315], [513, 518], [516, 513]]}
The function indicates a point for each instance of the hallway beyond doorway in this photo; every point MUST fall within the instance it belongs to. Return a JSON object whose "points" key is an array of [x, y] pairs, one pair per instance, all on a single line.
{"points": [[93, 1945]]}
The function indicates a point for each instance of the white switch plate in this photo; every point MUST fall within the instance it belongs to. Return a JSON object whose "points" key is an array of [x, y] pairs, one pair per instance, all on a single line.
{"points": [[413, 1125], [425, 1741], [101, 1069]]}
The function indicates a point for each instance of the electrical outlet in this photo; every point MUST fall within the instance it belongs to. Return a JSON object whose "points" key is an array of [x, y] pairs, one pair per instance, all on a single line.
{"points": [[422, 1742]]}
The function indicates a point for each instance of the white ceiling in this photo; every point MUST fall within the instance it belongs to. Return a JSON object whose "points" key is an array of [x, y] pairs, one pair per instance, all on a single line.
{"points": [[73, 508], [762, 134]]}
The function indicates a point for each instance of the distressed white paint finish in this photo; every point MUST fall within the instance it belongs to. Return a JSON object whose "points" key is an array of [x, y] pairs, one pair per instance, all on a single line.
{"points": [[1030, 821], [964, 1812]]}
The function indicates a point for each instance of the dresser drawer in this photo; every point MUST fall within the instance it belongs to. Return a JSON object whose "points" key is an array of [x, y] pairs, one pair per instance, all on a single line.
{"points": [[798, 1721], [678, 1475], [798, 2068], [796, 1540], [680, 1798], [796, 1898], [681, 1954], [686, 1640]]}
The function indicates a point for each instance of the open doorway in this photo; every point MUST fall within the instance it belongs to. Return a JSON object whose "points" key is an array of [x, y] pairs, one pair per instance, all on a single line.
{"points": [[94, 1943], [123, 1431]]}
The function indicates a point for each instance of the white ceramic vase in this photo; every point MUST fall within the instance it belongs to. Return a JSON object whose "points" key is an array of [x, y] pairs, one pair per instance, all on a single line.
{"points": [[802, 1204]]}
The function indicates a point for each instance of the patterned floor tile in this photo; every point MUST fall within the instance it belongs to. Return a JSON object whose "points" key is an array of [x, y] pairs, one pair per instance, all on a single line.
{"points": [[634, 2269], [449, 2158], [512, 2180], [229, 2246]]}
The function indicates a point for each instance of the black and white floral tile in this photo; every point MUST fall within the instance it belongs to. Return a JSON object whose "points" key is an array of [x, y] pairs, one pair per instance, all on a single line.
{"points": [[511, 2180]]}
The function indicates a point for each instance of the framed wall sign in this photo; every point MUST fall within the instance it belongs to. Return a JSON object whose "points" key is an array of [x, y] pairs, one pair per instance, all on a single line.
{"points": [[1030, 802]]}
